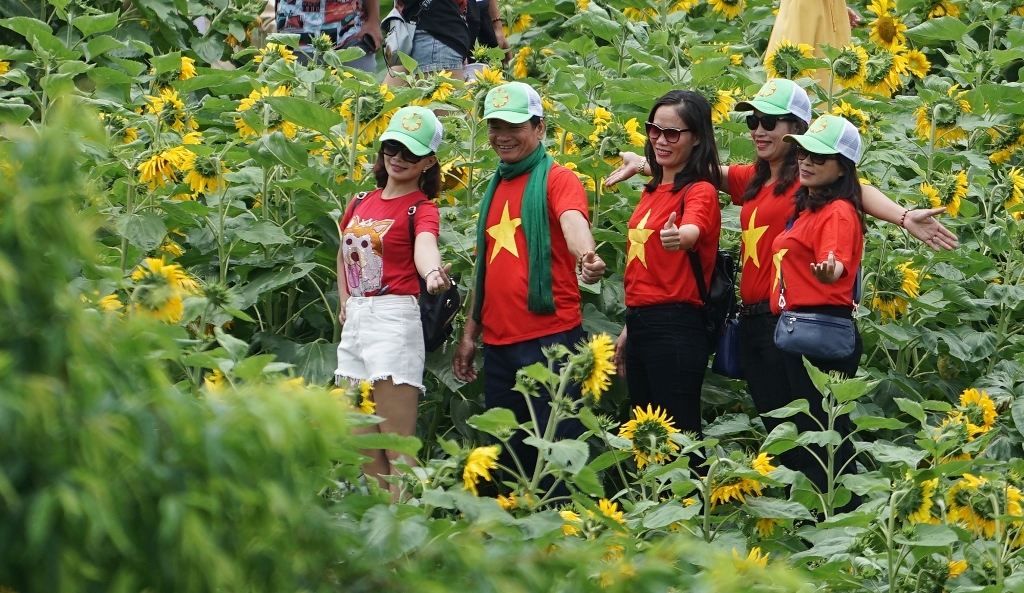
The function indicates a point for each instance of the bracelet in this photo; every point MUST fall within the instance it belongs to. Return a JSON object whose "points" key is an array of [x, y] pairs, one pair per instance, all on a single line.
{"points": [[904, 217], [431, 271], [497, 19], [642, 167]]}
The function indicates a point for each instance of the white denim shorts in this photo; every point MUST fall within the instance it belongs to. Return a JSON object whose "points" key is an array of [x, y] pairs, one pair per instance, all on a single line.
{"points": [[382, 337]]}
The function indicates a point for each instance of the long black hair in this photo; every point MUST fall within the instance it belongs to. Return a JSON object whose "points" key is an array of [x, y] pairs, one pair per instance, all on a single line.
{"points": [[847, 187], [430, 179], [788, 174], [695, 111]]}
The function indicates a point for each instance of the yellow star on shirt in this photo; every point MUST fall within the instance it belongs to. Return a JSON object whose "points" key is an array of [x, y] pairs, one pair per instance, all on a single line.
{"points": [[637, 241], [751, 235], [777, 260], [504, 234]]}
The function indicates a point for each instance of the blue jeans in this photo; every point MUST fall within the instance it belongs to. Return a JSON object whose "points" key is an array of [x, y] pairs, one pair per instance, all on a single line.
{"points": [[432, 55], [501, 363], [667, 352]]}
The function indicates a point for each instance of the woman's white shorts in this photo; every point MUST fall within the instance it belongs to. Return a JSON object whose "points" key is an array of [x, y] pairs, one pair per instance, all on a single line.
{"points": [[382, 337]]}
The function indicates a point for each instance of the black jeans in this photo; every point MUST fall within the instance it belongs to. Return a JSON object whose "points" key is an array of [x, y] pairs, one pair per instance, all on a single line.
{"points": [[501, 363], [667, 352], [776, 378]]}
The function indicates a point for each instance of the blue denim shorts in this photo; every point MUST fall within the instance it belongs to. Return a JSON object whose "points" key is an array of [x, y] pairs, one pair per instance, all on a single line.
{"points": [[432, 56]]}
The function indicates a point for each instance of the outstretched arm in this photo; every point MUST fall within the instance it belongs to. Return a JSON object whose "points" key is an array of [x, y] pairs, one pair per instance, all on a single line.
{"points": [[631, 166], [920, 223]]}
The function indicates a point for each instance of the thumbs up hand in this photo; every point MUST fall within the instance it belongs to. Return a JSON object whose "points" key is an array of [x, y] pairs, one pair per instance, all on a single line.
{"points": [[670, 234], [591, 268]]}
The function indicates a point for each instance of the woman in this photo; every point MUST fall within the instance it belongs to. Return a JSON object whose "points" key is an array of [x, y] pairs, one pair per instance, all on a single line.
{"points": [[667, 349], [818, 258], [766, 192], [441, 41], [379, 268]]}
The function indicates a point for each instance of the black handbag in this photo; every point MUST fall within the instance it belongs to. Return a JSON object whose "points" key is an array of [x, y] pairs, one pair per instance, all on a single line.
{"points": [[815, 335], [727, 355], [437, 311]]}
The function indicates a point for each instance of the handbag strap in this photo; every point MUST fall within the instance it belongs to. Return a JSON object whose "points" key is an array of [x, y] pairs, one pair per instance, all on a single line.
{"points": [[695, 266]]}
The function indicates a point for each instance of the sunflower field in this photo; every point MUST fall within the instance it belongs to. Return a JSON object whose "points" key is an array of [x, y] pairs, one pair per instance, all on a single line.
{"points": [[168, 293]]}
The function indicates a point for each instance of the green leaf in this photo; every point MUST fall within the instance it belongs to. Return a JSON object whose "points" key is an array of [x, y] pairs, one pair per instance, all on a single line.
{"points": [[849, 390], [252, 367], [262, 283], [588, 481], [57, 85], [819, 378], [781, 439], [608, 458], [540, 524], [799, 406], [494, 421], [874, 423], [264, 232], [888, 453], [925, 534], [166, 63], [765, 507], [589, 420], [306, 114], [668, 513], [388, 441], [15, 113], [567, 455], [279, 148], [92, 24], [210, 49], [819, 437], [145, 231], [1017, 413], [911, 407], [937, 30], [236, 349], [100, 45]]}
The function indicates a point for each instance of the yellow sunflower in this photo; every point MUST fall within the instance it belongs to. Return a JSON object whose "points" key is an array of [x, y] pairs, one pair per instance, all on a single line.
{"points": [[850, 66], [205, 175], [522, 23], [633, 130], [255, 102], [649, 430], [943, 113], [611, 510], [188, 68], [957, 568], [914, 501], [5, 67], [592, 365], [730, 9], [887, 29], [478, 465], [947, 190], [781, 63], [893, 286], [443, 88], [883, 71], [766, 527], [857, 117], [111, 303], [1005, 142], [940, 8], [160, 288], [1012, 188], [273, 52], [721, 102], [214, 381], [638, 15], [979, 410], [917, 63], [520, 68], [572, 524], [169, 110], [171, 248], [509, 503], [754, 560], [157, 170], [366, 403]]}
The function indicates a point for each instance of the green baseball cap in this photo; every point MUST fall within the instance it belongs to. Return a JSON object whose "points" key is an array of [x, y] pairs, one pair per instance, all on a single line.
{"points": [[514, 102], [779, 96], [416, 128], [830, 134]]}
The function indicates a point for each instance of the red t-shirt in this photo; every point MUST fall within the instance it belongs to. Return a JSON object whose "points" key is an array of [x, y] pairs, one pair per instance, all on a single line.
{"points": [[835, 228], [376, 247], [655, 275], [761, 220], [505, 317]]}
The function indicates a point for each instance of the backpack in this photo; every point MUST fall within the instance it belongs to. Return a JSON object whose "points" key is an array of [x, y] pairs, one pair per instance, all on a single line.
{"points": [[436, 310], [720, 300]]}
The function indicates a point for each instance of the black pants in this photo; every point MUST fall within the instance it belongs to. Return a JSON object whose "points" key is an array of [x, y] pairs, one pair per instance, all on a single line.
{"points": [[667, 352], [776, 378], [501, 363]]}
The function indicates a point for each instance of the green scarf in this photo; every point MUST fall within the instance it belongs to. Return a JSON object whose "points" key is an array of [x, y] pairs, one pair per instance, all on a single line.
{"points": [[536, 225]]}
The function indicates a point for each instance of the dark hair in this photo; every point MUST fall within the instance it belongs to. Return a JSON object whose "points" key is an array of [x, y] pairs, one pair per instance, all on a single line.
{"points": [[430, 180], [695, 111], [847, 187], [788, 174], [534, 120]]}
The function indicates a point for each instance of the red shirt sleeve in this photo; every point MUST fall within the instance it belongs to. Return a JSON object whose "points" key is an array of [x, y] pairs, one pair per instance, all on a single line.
{"points": [[566, 192], [428, 219], [739, 179]]}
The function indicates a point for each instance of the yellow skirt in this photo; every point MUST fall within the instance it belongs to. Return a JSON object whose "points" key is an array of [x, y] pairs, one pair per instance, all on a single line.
{"points": [[814, 22]]}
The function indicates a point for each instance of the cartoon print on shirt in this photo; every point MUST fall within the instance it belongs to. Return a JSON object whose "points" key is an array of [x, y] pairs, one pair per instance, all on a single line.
{"points": [[362, 246]]}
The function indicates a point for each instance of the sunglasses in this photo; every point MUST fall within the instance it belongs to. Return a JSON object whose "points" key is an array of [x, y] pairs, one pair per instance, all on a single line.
{"points": [[767, 121], [390, 148], [654, 131], [818, 159]]}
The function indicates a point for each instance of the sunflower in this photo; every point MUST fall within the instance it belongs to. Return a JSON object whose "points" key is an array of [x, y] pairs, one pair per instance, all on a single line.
{"points": [[766, 527], [491, 75], [581, 5], [957, 568], [599, 117], [975, 502], [366, 403], [940, 8], [893, 286], [214, 381], [948, 190], [159, 289], [572, 524], [914, 501], [509, 503], [5, 67], [979, 411], [632, 128], [188, 68], [255, 103], [942, 113], [951, 436], [110, 303], [588, 183], [639, 15], [478, 465], [157, 170], [592, 364], [611, 510], [736, 488], [762, 464], [781, 63], [443, 89], [850, 66], [917, 63], [274, 52], [1006, 142], [857, 117], [730, 9], [887, 29], [171, 248], [649, 430], [206, 175], [721, 102], [1012, 187], [522, 23], [521, 68], [755, 559], [169, 110], [883, 70]]}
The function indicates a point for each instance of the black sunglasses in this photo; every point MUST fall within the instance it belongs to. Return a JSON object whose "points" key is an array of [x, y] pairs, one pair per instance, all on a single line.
{"points": [[818, 159], [654, 131], [390, 148], [767, 121]]}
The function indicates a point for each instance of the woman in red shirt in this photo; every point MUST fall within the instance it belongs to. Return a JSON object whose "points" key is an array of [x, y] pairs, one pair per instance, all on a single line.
{"points": [[379, 266], [817, 261], [667, 350]]}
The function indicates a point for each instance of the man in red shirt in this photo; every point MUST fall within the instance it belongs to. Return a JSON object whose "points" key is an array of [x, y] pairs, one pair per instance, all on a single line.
{"points": [[533, 231]]}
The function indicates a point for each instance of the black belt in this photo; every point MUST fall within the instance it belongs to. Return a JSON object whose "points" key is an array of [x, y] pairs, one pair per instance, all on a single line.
{"points": [[758, 308]]}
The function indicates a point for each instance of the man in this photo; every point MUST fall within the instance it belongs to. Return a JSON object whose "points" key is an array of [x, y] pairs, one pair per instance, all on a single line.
{"points": [[533, 231], [348, 23]]}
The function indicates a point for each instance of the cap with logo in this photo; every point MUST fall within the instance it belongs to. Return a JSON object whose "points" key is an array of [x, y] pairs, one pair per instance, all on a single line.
{"points": [[416, 128], [779, 96], [830, 134], [514, 102]]}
